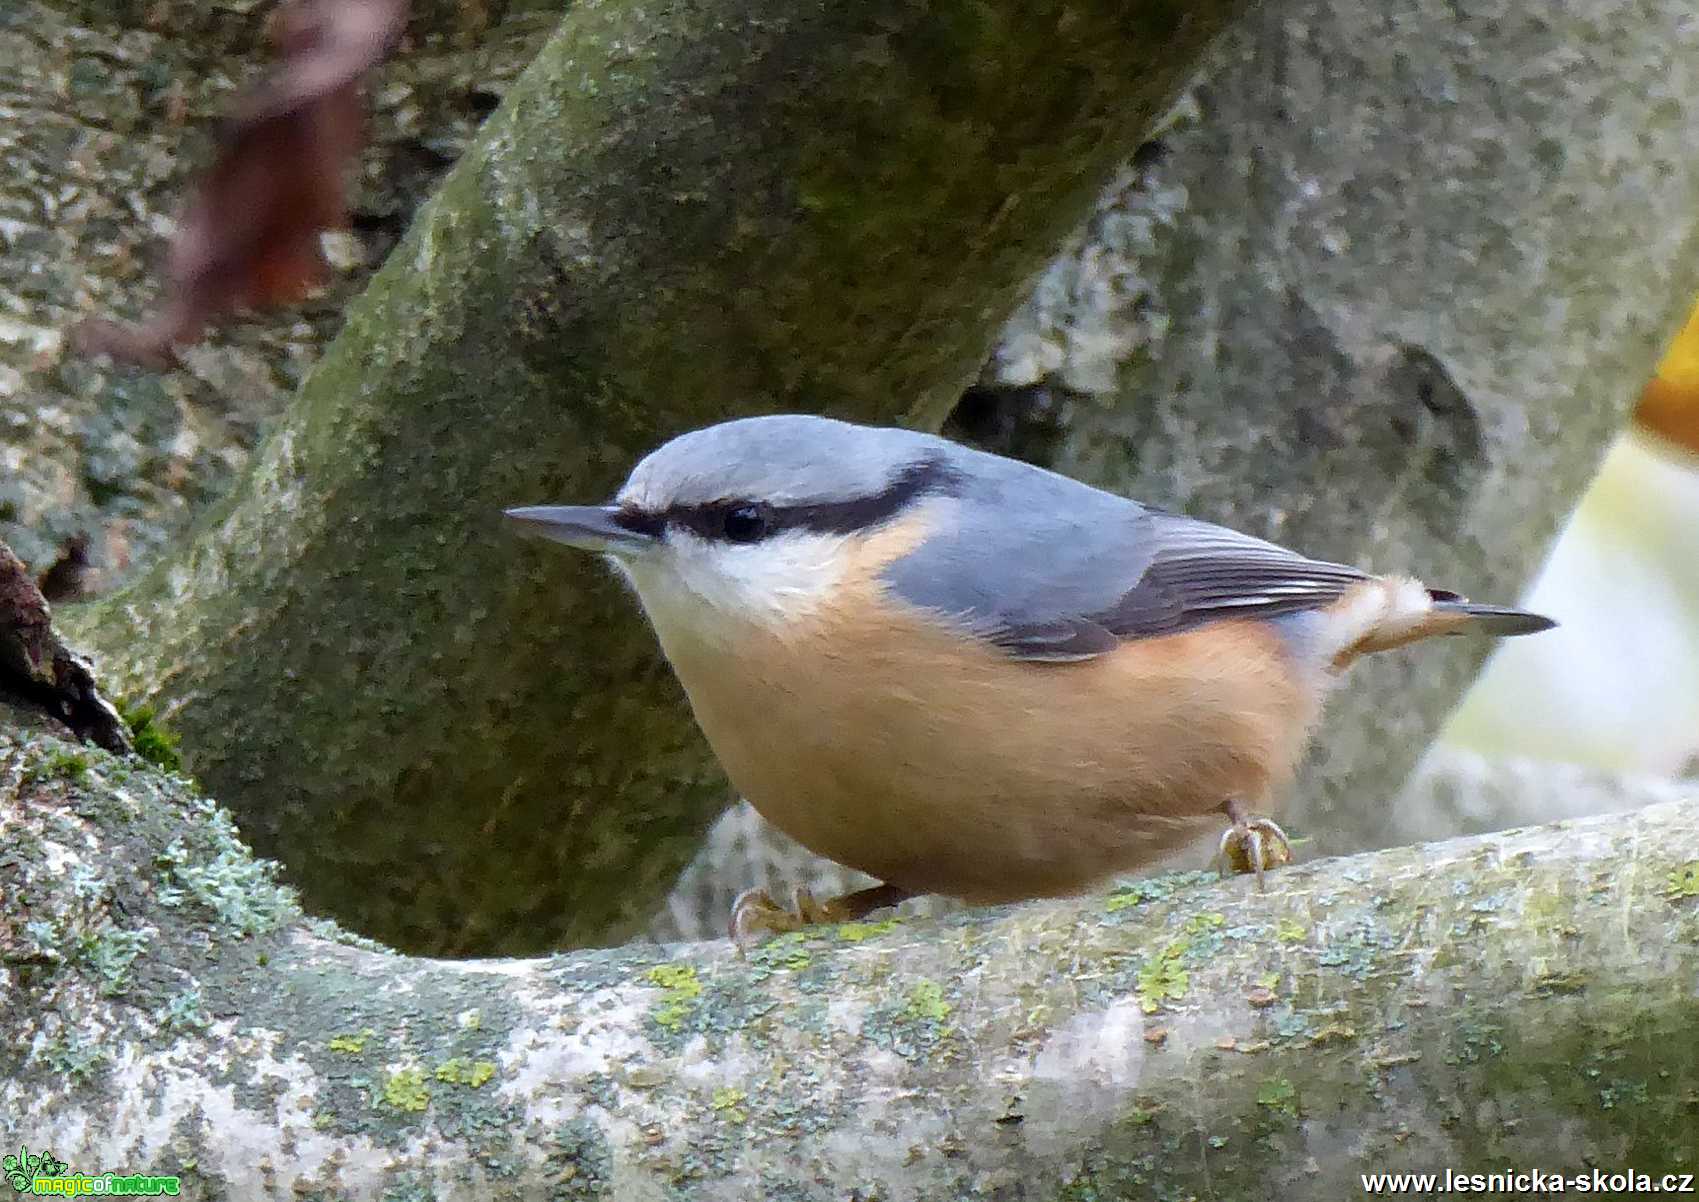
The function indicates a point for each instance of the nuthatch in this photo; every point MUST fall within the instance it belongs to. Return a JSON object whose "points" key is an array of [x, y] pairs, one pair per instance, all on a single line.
{"points": [[966, 675]]}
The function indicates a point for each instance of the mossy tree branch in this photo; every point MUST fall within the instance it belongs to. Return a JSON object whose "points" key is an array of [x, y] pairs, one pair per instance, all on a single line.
{"points": [[681, 212], [1521, 1000]]}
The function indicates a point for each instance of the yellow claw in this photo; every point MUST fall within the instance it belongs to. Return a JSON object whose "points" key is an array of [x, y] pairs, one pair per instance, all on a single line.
{"points": [[1252, 844], [755, 915]]}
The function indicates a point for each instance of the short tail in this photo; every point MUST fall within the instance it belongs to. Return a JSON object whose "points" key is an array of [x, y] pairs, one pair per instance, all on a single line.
{"points": [[1496, 621], [1384, 612]]}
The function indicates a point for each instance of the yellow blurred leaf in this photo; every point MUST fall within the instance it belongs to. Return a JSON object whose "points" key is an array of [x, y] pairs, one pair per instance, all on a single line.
{"points": [[1669, 405]]}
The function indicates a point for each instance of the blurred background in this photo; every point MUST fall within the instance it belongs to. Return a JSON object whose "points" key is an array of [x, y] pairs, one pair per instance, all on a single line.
{"points": [[1614, 686]]}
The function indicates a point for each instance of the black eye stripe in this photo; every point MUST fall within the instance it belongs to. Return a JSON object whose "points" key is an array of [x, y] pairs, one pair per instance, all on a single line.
{"points": [[709, 519], [717, 519], [639, 521]]}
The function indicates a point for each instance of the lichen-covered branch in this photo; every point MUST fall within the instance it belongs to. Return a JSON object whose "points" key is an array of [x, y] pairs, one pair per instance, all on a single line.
{"points": [[679, 213], [1521, 1000]]}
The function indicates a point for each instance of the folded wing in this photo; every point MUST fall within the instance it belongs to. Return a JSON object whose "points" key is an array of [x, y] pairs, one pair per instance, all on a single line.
{"points": [[1075, 586]]}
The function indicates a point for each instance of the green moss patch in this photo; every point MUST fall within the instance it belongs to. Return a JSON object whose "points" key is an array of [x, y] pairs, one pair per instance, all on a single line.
{"points": [[152, 741]]}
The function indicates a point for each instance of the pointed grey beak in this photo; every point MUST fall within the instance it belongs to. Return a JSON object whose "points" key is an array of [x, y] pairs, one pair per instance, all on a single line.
{"points": [[587, 527]]}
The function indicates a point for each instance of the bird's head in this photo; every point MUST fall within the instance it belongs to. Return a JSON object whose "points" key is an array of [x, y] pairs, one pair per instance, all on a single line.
{"points": [[753, 521]]}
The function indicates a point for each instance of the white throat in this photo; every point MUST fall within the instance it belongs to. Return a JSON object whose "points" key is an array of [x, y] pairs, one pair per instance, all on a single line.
{"points": [[711, 592]]}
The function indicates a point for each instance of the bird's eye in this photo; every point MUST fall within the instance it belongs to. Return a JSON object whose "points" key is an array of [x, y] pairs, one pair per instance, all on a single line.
{"points": [[745, 523]]}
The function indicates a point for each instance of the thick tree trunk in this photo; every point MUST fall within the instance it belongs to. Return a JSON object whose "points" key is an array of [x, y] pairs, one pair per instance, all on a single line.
{"points": [[1521, 1001], [680, 213]]}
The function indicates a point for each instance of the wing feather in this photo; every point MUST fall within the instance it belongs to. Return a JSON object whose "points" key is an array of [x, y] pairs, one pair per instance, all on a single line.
{"points": [[1196, 573], [1047, 568]]}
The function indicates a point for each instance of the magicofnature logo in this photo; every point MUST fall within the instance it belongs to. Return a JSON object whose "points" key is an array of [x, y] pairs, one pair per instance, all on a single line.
{"points": [[45, 1176]]}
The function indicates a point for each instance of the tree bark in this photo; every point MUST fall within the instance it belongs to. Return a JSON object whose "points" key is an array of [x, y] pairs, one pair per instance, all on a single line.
{"points": [[460, 743], [1521, 1001], [107, 126]]}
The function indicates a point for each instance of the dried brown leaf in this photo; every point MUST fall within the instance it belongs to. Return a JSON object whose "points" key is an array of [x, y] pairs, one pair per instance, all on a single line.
{"points": [[249, 236]]}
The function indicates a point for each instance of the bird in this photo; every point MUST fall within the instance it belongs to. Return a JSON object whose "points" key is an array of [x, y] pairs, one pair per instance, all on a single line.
{"points": [[963, 674]]}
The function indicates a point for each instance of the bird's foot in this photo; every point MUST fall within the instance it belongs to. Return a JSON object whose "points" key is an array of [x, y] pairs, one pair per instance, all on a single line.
{"points": [[756, 916], [1251, 844]]}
